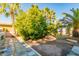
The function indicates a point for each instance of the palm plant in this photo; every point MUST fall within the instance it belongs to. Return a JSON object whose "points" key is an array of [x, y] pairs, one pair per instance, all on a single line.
{"points": [[45, 12], [2, 8], [49, 14], [12, 10], [51, 19], [67, 24], [75, 21]]}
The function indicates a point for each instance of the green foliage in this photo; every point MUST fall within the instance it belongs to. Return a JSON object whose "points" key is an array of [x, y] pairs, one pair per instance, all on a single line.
{"points": [[51, 19], [31, 24], [35, 23], [61, 37], [2, 7], [74, 17]]}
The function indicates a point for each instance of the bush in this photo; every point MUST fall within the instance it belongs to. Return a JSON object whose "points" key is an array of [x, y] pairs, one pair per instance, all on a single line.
{"points": [[32, 24], [2, 38], [61, 37]]}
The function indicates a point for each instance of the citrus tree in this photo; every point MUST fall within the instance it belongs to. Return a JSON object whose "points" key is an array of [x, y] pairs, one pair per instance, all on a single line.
{"points": [[31, 24]]}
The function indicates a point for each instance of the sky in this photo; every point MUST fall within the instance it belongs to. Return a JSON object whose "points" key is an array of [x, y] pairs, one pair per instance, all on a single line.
{"points": [[59, 8]]}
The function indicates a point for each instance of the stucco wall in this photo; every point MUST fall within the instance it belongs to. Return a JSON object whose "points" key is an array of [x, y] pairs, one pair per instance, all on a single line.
{"points": [[9, 28]]}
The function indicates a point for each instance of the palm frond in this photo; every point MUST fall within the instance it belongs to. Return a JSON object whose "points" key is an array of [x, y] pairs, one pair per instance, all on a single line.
{"points": [[68, 15], [75, 13], [7, 14]]}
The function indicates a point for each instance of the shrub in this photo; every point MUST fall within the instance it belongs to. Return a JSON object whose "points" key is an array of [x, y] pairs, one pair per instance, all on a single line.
{"points": [[32, 24]]}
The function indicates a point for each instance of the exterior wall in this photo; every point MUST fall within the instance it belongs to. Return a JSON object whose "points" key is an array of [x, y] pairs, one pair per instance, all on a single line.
{"points": [[9, 28], [64, 31]]}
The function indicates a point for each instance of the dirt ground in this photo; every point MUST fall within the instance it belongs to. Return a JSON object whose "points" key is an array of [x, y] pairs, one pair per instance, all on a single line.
{"points": [[49, 46]]}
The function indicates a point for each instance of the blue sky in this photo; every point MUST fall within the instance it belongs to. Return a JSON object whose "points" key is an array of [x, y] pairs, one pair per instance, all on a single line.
{"points": [[59, 8]]}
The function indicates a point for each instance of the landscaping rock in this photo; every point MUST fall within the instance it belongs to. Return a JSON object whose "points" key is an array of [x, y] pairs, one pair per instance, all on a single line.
{"points": [[74, 51], [40, 40], [49, 38]]}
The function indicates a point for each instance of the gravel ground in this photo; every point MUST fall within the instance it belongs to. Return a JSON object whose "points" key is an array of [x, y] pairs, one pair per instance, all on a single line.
{"points": [[53, 48]]}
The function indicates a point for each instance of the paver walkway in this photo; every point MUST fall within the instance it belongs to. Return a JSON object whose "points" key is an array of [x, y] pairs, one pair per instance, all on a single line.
{"points": [[16, 48]]}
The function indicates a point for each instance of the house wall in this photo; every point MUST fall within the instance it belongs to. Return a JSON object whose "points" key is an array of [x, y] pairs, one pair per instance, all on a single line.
{"points": [[9, 28]]}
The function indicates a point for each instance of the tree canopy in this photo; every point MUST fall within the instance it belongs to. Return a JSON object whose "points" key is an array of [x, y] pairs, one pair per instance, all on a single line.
{"points": [[31, 24]]}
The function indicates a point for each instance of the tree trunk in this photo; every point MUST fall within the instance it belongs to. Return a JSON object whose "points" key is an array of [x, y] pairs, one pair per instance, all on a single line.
{"points": [[68, 32], [12, 17], [13, 24], [76, 33], [61, 31], [13, 20]]}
